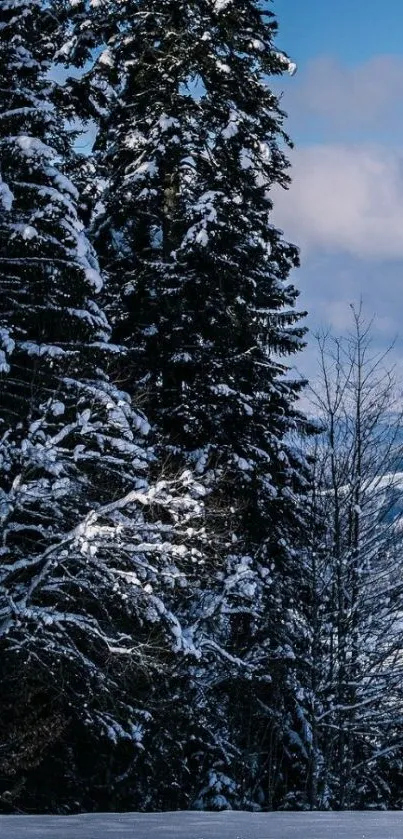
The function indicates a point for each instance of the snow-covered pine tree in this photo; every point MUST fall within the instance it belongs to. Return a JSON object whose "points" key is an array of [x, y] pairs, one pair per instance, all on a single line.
{"points": [[91, 557], [197, 271], [198, 292]]}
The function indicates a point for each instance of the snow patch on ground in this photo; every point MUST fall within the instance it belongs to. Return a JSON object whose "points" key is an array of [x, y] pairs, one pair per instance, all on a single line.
{"points": [[204, 825]]}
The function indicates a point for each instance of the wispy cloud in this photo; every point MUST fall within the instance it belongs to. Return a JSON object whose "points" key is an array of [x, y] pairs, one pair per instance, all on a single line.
{"points": [[345, 98], [345, 204], [345, 198]]}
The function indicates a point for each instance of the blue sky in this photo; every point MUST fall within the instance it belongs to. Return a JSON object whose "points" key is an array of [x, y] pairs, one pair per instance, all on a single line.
{"points": [[353, 30], [345, 205]]}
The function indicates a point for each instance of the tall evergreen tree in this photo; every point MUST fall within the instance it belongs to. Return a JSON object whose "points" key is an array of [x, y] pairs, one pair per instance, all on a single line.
{"points": [[197, 272], [198, 292], [91, 557]]}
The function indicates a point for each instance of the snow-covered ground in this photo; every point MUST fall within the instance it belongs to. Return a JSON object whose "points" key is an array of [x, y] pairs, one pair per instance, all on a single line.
{"points": [[227, 825]]}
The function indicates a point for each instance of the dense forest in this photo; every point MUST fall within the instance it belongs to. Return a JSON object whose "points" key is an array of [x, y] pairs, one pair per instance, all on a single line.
{"points": [[200, 582]]}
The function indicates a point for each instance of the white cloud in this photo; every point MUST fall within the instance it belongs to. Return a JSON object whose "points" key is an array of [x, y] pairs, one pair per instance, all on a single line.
{"points": [[345, 198], [345, 205], [346, 98]]}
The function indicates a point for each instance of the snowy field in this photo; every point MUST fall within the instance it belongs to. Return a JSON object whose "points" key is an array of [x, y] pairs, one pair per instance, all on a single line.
{"points": [[227, 825]]}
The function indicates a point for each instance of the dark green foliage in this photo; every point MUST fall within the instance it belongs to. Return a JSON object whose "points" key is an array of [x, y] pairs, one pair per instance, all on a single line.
{"points": [[88, 550], [198, 292]]}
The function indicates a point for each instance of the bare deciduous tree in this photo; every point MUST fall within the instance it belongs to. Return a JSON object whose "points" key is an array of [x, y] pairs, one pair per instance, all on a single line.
{"points": [[353, 563]]}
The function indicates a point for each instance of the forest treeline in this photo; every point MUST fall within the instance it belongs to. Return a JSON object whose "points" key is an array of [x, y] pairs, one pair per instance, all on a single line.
{"points": [[200, 584]]}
